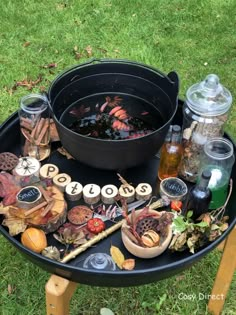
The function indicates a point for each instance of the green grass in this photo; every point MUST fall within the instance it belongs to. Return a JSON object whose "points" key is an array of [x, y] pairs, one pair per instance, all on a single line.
{"points": [[194, 38]]}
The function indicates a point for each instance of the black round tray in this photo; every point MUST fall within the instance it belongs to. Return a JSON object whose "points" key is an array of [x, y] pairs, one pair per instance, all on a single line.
{"points": [[146, 270]]}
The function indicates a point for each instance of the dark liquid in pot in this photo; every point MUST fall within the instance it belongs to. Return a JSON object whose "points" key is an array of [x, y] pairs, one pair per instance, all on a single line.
{"points": [[112, 117]]}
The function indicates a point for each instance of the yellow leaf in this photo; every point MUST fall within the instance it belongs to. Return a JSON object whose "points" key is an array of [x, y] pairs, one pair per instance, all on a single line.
{"points": [[15, 226], [4, 209], [117, 256]]}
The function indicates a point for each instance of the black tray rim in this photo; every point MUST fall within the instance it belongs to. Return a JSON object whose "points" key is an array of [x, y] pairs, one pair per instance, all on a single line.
{"points": [[68, 271]]}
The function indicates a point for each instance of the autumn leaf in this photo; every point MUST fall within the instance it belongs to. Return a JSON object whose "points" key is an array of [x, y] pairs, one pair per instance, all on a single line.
{"points": [[42, 88], [117, 256], [103, 50], [26, 44], [128, 264], [50, 65], [15, 226], [65, 153], [4, 209], [27, 83], [10, 288], [89, 50]]}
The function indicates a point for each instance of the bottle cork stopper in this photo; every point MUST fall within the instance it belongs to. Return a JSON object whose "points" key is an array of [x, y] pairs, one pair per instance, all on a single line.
{"points": [[48, 171], [128, 192], [61, 181], [74, 191], [91, 193], [143, 191], [108, 194]]}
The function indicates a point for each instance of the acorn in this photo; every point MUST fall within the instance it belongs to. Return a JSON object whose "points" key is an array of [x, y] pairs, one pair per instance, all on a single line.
{"points": [[150, 238]]}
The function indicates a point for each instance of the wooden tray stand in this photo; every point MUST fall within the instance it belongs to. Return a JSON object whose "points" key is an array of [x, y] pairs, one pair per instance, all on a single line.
{"points": [[59, 291]]}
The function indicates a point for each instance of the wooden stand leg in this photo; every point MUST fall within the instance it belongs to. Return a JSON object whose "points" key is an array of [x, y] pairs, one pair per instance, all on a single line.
{"points": [[224, 275], [59, 292]]}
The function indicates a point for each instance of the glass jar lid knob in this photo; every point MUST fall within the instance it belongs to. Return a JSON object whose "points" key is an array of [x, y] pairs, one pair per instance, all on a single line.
{"points": [[209, 97]]}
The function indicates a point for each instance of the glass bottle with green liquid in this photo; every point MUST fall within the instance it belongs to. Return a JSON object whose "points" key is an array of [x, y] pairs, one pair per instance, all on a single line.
{"points": [[218, 158]]}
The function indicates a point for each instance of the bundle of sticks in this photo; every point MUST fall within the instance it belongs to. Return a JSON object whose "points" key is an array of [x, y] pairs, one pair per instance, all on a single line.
{"points": [[37, 133]]}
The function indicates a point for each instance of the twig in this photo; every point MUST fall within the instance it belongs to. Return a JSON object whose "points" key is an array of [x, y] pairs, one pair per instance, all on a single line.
{"points": [[92, 241], [221, 210], [123, 181], [32, 210], [47, 208]]}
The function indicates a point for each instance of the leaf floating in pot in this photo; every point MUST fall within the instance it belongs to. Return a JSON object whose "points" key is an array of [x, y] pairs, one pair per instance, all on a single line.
{"points": [[115, 119]]}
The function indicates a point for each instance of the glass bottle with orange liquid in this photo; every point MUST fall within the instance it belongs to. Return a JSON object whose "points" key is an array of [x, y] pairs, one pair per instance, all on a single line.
{"points": [[171, 153]]}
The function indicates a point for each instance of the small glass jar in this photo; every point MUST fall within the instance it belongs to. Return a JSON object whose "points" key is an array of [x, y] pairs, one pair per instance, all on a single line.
{"points": [[204, 115], [34, 118], [218, 158]]}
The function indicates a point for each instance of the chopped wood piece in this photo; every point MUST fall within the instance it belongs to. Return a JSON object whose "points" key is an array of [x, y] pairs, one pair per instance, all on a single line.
{"points": [[48, 208], [45, 194], [41, 205]]}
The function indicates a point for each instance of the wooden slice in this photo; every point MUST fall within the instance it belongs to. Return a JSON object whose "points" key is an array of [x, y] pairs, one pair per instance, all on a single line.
{"points": [[61, 181], [108, 193], [50, 221], [128, 192], [74, 191], [48, 171], [27, 171], [143, 191], [91, 193], [28, 197]]}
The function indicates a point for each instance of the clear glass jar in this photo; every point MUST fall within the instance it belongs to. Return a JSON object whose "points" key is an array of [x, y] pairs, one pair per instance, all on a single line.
{"points": [[34, 118], [218, 158], [204, 115]]}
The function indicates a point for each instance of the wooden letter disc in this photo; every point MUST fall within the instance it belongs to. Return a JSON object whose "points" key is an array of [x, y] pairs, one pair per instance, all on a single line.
{"points": [[48, 171], [143, 191], [27, 171], [61, 181], [74, 191], [91, 193], [128, 192], [108, 193]]}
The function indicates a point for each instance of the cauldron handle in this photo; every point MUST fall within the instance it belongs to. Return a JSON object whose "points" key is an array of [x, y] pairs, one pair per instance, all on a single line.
{"points": [[173, 76]]}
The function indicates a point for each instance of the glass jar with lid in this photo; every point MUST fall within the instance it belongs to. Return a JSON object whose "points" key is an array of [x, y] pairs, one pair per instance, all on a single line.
{"points": [[205, 112], [218, 158]]}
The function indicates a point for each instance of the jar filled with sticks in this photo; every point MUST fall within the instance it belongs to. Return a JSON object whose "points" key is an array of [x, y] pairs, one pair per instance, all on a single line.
{"points": [[34, 118], [205, 112]]}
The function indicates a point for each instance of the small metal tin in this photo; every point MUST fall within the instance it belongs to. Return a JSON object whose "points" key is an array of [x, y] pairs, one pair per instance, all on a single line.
{"points": [[174, 188]]}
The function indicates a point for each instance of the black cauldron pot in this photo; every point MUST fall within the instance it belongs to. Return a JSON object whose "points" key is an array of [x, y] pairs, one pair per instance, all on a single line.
{"points": [[117, 77]]}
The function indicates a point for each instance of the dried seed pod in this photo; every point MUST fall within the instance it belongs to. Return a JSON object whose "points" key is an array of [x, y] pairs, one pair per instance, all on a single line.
{"points": [[51, 252], [8, 161], [150, 238]]}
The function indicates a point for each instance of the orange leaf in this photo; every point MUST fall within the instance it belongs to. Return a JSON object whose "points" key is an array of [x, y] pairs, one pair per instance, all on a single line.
{"points": [[128, 264]]}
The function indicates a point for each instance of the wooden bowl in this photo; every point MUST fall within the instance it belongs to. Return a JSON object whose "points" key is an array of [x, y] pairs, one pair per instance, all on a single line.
{"points": [[146, 252]]}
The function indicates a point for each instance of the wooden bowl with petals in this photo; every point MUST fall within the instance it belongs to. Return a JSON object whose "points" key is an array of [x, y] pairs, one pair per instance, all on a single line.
{"points": [[146, 252]]}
